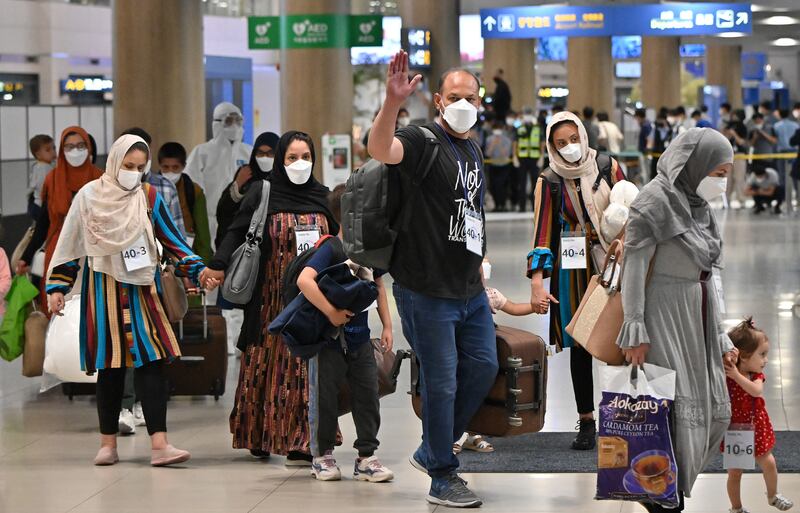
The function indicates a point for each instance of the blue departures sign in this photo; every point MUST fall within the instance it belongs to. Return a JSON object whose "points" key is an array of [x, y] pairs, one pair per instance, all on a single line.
{"points": [[679, 19]]}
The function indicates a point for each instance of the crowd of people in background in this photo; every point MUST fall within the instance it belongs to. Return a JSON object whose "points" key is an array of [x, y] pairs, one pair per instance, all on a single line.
{"points": [[199, 206]]}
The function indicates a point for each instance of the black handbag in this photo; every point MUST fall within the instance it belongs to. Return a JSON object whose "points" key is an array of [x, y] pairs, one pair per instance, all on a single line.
{"points": [[242, 273]]}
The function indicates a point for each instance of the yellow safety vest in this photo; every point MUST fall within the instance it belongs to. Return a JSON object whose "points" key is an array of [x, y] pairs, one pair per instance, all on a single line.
{"points": [[528, 144]]}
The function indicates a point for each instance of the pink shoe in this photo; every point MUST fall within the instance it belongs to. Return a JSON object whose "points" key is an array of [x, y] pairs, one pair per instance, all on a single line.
{"points": [[106, 456], [168, 456]]}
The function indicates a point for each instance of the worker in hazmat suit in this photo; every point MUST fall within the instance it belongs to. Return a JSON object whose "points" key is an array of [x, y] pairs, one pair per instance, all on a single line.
{"points": [[213, 165]]}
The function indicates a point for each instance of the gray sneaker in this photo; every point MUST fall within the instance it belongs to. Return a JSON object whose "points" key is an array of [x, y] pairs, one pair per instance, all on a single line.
{"points": [[451, 491]]}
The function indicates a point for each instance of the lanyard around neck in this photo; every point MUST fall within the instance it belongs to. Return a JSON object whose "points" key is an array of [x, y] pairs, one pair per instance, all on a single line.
{"points": [[466, 164]]}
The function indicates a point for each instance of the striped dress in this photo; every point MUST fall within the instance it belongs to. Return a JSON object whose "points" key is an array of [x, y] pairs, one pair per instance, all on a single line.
{"points": [[270, 411], [124, 325], [567, 285]]}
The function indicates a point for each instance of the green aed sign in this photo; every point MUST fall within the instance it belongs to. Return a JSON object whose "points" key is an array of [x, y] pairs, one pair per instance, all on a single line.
{"points": [[314, 31]]}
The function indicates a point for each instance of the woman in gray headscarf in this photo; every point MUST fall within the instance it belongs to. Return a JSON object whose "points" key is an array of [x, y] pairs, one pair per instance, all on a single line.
{"points": [[672, 317]]}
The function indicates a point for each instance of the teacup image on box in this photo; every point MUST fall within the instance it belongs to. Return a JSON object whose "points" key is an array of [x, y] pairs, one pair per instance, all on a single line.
{"points": [[653, 471], [612, 452]]}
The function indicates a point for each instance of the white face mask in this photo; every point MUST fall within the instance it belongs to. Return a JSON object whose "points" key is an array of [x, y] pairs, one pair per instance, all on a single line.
{"points": [[571, 152], [265, 163], [233, 133], [403, 122], [712, 187], [460, 116], [299, 171], [796, 113], [129, 180], [76, 157], [497, 131], [172, 177]]}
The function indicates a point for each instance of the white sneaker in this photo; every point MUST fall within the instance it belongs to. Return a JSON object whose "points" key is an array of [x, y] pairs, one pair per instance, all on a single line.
{"points": [[781, 503], [127, 423], [372, 470], [324, 468], [138, 414]]}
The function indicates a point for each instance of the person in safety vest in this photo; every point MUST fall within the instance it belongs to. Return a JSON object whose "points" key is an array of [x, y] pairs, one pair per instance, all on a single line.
{"points": [[528, 149]]}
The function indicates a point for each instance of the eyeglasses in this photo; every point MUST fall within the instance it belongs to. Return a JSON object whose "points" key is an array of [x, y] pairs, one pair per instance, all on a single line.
{"points": [[231, 119], [79, 146]]}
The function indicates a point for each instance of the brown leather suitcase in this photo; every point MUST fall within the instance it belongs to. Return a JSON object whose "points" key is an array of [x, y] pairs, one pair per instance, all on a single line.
{"points": [[517, 402], [203, 366]]}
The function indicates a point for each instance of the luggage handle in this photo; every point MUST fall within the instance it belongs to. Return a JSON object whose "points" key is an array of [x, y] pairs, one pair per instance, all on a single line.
{"points": [[205, 318]]}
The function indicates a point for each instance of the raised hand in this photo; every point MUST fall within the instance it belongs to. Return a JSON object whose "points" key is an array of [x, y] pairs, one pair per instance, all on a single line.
{"points": [[398, 87]]}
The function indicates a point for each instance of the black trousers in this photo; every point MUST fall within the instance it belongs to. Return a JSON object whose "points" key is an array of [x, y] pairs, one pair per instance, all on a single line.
{"points": [[527, 168], [151, 389], [580, 366], [500, 182], [328, 371], [763, 201]]}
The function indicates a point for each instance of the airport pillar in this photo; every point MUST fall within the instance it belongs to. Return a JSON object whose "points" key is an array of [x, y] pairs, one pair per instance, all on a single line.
{"points": [[590, 74], [517, 59], [159, 77], [661, 72], [724, 68]]}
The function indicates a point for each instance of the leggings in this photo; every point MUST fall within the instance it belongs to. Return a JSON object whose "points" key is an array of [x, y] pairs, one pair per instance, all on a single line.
{"points": [[580, 365], [150, 389]]}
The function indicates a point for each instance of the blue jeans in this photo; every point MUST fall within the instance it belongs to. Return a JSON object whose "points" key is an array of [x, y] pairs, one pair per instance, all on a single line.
{"points": [[455, 343]]}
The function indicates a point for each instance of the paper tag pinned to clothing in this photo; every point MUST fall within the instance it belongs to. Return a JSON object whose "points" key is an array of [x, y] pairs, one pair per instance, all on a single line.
{"points": [[738, 449], [305, 237], [473, 229], [573, 251], [136, 256]]}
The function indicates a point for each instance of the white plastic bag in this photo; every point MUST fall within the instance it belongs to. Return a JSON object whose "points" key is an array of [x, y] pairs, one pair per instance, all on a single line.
{"points": [[63, 348]]}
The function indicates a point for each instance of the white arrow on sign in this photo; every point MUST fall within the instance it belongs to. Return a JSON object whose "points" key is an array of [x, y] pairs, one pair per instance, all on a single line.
{"points": [[490, 22], [741, 18]]}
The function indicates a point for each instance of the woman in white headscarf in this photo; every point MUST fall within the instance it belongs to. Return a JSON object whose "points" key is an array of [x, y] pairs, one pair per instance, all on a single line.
{"points": [[569, 200], [672, 318], [114, 222]]}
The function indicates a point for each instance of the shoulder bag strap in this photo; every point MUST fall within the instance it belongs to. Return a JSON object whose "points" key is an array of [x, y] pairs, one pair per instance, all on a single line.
{"points": [[259, 219], [408, 208]]}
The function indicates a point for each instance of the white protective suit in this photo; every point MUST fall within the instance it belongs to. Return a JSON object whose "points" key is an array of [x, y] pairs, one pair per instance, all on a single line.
{"points": [[213, 164]]}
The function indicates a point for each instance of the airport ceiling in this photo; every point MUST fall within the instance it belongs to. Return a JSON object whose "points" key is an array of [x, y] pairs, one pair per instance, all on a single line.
{"points": [[765, 14]]}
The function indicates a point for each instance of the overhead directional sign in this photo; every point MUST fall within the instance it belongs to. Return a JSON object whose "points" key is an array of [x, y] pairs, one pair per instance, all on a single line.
{"points": [[679, 19], [314, 31]]}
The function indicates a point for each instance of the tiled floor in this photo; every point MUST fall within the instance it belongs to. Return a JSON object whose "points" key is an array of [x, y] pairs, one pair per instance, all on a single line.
{"points": [[47, 442]]}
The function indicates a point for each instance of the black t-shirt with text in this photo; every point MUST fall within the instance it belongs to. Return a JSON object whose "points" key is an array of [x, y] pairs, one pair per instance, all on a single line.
{"points": [[431, 257]]}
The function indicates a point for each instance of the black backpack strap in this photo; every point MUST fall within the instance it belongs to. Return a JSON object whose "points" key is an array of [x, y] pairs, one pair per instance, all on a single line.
{"points": [[432, 149], [604, 166]]}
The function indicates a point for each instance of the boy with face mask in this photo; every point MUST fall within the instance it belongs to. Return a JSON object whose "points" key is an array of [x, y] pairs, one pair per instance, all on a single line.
{"points": [[192, 199], [436, 266]]}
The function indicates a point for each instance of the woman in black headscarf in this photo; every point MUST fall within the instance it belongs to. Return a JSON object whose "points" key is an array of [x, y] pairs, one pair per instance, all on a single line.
{"points": [[270, 413], [259, 168]]}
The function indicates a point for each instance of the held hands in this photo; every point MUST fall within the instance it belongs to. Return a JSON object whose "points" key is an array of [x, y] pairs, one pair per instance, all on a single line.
{"points": [[211, 279], [339, 317], [244, 174], [636, 355], [541, 299], [729, 360], [398, 87], [387, 339], [22, 268], [55, 303]]}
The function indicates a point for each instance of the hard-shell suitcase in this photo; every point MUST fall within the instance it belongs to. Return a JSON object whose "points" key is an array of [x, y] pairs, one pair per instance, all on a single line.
{"points": [[517, 402], [203, 366]]}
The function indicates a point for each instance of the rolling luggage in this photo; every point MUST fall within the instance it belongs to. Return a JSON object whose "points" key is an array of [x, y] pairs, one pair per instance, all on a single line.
{"points": [[517, 401], [203, 341]]}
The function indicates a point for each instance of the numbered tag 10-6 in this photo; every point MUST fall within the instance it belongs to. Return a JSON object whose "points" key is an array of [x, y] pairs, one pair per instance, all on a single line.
{"points": [[738, 450], [573, 250], [306, 237]]}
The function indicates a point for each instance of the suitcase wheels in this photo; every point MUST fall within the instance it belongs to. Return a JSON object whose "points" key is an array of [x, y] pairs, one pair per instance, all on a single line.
{"points": [[219, 389]]}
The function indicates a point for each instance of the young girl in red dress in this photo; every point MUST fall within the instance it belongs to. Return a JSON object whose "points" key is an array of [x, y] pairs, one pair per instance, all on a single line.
{"points": [[746, 388]]}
